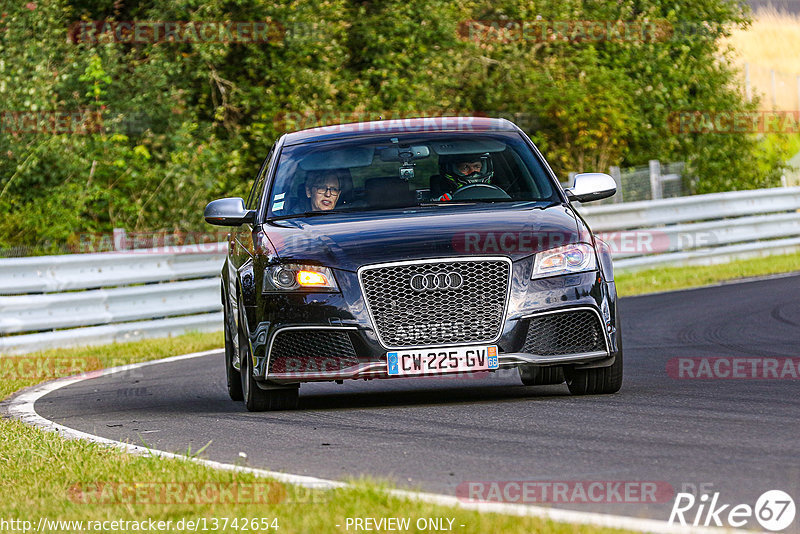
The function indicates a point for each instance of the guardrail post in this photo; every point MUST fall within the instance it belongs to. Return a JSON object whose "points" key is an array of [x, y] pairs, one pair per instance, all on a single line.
{"points": [[616, 174], [120, 239], [655, 179]]}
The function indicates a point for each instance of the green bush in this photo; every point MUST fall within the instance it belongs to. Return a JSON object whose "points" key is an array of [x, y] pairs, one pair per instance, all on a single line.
{"points": [[185, 122]]}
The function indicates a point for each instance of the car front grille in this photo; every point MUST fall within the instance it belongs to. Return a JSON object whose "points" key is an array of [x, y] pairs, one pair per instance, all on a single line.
{"points": [[567, 332], [466, 304], [311, 351]]}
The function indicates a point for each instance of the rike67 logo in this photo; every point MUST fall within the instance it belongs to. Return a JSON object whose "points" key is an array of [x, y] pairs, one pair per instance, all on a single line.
{"points": [[774, 510]]}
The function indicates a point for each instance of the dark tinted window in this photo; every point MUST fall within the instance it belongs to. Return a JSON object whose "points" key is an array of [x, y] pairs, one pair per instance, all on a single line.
{"points": [[258, 186], [369, 173]]}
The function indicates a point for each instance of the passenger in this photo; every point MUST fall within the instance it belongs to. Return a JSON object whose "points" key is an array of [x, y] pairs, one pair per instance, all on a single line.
{"points": [[323, 189]]}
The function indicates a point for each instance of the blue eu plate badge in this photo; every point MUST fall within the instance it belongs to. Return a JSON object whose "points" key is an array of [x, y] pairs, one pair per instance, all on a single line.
{"points": [[393, 369]]}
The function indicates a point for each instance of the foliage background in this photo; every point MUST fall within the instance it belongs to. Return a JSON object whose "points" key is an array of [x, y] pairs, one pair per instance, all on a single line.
{"points": [[188, 122]]}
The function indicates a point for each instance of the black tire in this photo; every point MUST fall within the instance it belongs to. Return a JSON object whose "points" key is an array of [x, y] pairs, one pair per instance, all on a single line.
{"points": [[262, 400], [232, 376], [601, 380], [535, 375]]}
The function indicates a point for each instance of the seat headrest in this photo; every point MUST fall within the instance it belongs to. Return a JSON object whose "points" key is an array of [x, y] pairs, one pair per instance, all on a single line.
{"points": [[388, 192]]}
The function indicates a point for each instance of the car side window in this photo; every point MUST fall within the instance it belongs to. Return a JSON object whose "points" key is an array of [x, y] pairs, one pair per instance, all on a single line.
{"points": [[258, 185]]}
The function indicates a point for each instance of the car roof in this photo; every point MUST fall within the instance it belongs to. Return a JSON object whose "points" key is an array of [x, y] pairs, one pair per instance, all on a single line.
{"points": [[410, 125]]}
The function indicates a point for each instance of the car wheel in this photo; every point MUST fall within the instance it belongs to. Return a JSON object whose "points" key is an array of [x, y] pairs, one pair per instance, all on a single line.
{"points": [[231, 374], [596, 381], [600, 380], [536, 375], [261, 400]]}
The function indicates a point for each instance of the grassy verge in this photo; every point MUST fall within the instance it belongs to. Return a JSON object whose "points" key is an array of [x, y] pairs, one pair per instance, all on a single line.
{"points": [[672, 278], [45, 476], [18, 372]]}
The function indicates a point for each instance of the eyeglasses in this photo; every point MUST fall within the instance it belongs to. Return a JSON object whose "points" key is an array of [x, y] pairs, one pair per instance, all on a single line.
{"points": [[322, 190]]}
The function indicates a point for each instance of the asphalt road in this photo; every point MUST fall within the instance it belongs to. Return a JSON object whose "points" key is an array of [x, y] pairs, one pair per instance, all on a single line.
{"points": [[736, 437]]}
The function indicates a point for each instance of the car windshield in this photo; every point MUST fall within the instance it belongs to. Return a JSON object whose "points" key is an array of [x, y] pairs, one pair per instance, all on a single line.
{"points": [[373, 173]]}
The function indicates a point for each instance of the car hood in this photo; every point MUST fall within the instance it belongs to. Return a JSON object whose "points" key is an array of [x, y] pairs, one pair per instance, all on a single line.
{"points": [[350, 240]]}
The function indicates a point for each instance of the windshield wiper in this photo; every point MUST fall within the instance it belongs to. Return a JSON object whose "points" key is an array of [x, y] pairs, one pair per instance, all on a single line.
{"points": [[444, 203], [471, 201], [303, 214]]}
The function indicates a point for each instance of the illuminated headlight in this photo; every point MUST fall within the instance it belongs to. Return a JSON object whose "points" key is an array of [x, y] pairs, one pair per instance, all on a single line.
{"points": [[298, 277], [568, 259]]}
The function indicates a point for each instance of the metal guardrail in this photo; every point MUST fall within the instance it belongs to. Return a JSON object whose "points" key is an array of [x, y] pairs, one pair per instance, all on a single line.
{"points": [[681, 237], [26, 313], [711, 256], [648, 213], [40, 274], [110, 333], [85, 299], [699, 230]]}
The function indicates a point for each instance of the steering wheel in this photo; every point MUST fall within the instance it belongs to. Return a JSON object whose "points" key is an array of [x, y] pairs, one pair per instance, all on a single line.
{"points": [[480, 192]]}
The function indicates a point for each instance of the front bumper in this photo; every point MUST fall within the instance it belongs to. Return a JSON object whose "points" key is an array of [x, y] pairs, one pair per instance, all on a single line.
{"points": [[344, 315]]}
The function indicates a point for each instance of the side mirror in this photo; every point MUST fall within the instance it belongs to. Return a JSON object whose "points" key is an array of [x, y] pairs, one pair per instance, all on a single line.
{"points": [[591, 186], [228, 212]]}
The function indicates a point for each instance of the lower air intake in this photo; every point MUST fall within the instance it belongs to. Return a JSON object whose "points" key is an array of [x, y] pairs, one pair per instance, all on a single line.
{"points": [[311, 351], [567, 332]]}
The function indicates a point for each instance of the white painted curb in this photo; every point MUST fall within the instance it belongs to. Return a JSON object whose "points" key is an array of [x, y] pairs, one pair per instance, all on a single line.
{"points": [[21, 406]]}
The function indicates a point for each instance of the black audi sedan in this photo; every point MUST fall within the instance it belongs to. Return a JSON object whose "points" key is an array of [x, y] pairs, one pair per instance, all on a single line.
{"points": [[414, 248]]}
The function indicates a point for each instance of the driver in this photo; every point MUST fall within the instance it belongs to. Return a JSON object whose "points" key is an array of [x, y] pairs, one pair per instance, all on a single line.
{"points": [[462, 170]]}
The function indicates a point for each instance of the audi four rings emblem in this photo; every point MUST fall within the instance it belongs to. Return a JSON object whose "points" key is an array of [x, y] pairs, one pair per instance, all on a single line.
{"points": [[432, 281]]}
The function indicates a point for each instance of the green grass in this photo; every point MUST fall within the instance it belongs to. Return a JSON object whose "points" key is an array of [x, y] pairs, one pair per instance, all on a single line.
{"points": [[17, 372], [672, 278], [44, 475]]}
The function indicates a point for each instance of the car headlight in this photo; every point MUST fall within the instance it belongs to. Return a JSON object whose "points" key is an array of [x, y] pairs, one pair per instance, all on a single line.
{"points": [[574, 258], [298, 277]]}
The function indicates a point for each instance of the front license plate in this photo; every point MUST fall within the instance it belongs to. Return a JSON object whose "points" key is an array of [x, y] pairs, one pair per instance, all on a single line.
{"points": [[442, 360]]}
